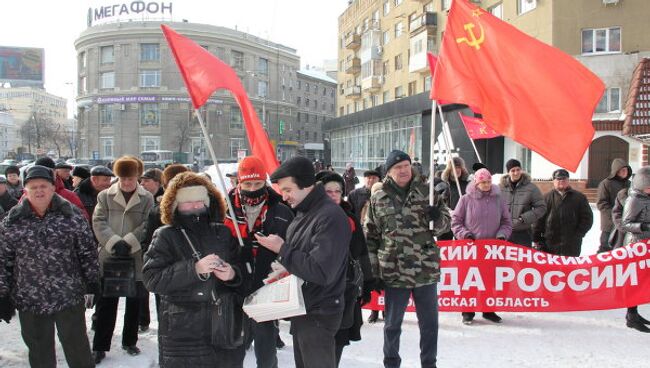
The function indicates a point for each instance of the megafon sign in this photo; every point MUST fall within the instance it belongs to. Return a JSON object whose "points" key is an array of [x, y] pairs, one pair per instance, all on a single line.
{"points": [[101, 13]]}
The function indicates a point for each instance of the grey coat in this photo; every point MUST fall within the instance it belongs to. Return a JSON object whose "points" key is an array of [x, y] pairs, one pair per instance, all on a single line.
{"points": [[637, 208], [525, 202], [115, 220], [607, 191]]}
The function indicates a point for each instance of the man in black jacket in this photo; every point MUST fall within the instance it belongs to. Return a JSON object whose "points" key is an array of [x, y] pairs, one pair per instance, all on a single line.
{"points": [[315, 250], [88, 189], [7, 201], [358, 197], [567, 219], [258, 208], [608, 189]]}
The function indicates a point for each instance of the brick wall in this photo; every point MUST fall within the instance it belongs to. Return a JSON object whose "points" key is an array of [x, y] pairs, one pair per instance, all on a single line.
{"points": [[547, 185]]}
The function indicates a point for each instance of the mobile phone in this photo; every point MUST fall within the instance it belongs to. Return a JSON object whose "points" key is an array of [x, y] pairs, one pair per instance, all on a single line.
{"points": [[218, 263], [259, 233]]}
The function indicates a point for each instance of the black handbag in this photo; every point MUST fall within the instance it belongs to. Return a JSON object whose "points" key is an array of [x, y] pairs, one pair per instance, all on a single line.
{"points": [[227, 315], [353, 291], [119, 278]]}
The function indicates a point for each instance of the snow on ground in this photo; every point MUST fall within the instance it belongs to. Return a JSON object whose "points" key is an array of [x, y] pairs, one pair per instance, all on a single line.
{"points": [[552, 340]]}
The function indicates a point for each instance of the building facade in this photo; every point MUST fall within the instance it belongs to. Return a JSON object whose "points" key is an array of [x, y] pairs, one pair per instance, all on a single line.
{"points": [[131, 97], [382, 58], [8, 134]]}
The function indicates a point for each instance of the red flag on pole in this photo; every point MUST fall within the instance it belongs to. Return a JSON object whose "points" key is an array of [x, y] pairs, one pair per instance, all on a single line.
{"points": [[526, 90], [476, 128], [203, 74], [432, 68]]}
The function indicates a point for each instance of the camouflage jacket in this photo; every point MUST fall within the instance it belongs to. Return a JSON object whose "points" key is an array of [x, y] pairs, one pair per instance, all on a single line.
{"points": [[402, 250], [46, 263]]}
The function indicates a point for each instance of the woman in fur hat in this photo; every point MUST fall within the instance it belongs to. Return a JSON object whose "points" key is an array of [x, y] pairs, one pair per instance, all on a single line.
{"points": [[190, 260]]}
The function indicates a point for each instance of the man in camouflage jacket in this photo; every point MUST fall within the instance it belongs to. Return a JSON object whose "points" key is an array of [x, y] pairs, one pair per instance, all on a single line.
{"points": [[48, 261], [404, 255]]}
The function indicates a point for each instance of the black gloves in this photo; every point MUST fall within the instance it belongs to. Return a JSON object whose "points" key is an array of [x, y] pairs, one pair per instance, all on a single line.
{"points": [[374, 285], [470, 236], [367, 289], [122, 249], [645, 226], [6, 309], [433, 212]]}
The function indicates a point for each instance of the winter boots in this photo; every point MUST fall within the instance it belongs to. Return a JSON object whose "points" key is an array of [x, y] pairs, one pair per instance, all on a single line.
{"points": [[468, 317], [634, 320]]}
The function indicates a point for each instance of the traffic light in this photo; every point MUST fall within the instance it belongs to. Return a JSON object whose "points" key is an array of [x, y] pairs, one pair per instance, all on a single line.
{"points": [[281, 129]]}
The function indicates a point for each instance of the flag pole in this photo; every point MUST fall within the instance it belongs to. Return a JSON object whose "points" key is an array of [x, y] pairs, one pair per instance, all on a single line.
{"points": [[448, 144], [432, 165], [213, 155], [470, 139]]}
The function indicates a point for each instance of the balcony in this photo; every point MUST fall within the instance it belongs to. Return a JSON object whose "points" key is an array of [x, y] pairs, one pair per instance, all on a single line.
{"points": [[418, 63], [353, 92], [372, 83], [353, 66], [352, 41], [428, 20]]}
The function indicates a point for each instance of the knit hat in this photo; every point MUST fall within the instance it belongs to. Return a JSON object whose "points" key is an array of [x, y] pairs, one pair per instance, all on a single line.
{"points": [[395, 157], [39, 172], [13, 169], [512, 163], [81, 172], [127, 167], [251, 168], [45, 161], [298, 167], [171, 171], [191, 194], [329, 176], [482, 175], [154, 174], [478, 166]]}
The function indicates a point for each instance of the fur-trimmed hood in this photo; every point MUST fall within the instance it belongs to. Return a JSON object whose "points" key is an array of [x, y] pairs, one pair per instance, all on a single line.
{"points": [[448, 176], [189, 179], [505, 182]]}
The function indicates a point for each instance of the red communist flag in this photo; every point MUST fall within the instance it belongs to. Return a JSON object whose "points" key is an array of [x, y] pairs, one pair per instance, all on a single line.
{"points": [[476, 128], [203, 74], [526, 90], [432, 68]]}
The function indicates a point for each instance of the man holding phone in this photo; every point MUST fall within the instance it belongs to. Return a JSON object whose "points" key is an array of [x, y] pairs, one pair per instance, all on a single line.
{"points": [[316, 250], [259, 211]]}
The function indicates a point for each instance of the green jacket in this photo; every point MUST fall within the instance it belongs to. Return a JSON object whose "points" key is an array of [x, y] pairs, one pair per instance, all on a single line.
{"points": [[402, 250]]}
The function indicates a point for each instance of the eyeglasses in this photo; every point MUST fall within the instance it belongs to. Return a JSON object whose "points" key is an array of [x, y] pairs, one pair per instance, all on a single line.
{"points": [[333, 191]]}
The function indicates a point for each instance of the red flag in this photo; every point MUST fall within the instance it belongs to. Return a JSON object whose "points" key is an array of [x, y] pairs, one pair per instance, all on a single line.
{"points": [[527, 90], [476, 128], [432, 67], [203, 74]]}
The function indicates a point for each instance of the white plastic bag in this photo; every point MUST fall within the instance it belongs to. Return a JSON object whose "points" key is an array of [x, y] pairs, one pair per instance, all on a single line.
{"points": [[277, 300]]}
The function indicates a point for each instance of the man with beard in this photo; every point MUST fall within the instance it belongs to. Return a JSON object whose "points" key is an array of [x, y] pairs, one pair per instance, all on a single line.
{"points": [[258, 209], [567, 220]]}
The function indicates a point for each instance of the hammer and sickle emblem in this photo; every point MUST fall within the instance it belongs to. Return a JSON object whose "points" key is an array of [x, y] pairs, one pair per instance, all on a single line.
{"points": [[472, 41]]}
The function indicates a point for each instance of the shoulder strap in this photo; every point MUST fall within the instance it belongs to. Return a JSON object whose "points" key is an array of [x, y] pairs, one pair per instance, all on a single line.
{"points": [[195, 254]]}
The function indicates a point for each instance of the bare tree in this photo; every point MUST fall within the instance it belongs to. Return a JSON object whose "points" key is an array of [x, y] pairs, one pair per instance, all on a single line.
{"points": [[183, 137]]}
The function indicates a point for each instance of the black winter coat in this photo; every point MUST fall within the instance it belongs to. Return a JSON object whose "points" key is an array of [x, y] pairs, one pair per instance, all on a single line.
{"points": [[607, 191], [316, 249], [357, 199], [184, 317], [567, 219], [87, 194], [7, 201]]}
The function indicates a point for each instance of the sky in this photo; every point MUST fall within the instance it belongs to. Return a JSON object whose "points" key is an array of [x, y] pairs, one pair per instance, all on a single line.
{"points": [[309, 26]]}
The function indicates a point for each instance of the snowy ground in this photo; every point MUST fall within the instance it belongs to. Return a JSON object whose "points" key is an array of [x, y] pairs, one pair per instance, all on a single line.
{"points": [[575, 339]]}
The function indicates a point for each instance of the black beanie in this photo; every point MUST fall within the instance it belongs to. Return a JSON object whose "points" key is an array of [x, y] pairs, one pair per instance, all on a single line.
{"points": [[81, 172], [478, 166], [512, 163], [300, 168], [328, 176], [45, 161], [395, 157]]}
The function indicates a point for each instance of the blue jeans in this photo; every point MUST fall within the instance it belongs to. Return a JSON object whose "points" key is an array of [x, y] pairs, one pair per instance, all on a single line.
{"points": [[426, 304]]}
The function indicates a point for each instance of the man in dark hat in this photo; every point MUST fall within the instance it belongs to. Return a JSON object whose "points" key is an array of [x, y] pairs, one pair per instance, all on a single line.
{"points": [[567, 220], [397, 226], [89, 188], [315, 249], [7, 201], [617, 180], [60, 186], [524, 200], [62, 170], [358, 197], [14, 186], [79, 174], [47, 284]]}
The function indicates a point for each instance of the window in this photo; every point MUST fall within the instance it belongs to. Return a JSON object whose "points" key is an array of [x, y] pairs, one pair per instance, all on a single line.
{"points": [[524, 6], [149, 143], [610, 102], [106, 54], [263, 66], [397, 2], [262, 88], [298, 117], [236, 144], [386, 7], [107, 80], [106, 145], [307, 102], [601, 40], [374, 100], [149, 52], [398, 62], [427, 83], [307, 87], [446, 4], [83, 85], [399, 92], [82, 60], [235, 118], [237, 59], [149, 114], [298, 100], [399, 27], [386, 67], [149, 78], [385, 38], [106, 114], [375, 16], [497, 10], [299, 85], [386, 96], [412, 88]]}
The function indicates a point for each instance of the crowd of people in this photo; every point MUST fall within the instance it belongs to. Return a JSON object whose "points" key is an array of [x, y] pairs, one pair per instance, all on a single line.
{"points": [[73, 239]]}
